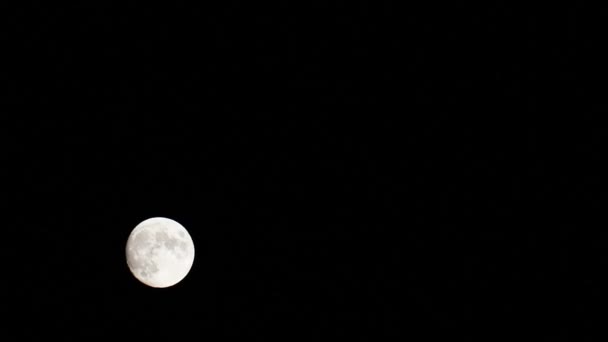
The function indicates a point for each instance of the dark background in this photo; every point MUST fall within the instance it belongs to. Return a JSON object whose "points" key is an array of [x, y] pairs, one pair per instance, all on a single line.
{"points": [[348, 171]]}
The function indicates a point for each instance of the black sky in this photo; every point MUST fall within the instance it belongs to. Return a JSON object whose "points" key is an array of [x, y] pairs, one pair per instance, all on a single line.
{"points": [[348, 171]]}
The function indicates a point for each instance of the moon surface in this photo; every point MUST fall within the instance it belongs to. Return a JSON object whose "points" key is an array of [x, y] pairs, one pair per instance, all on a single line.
{"points": [[160, 252]]}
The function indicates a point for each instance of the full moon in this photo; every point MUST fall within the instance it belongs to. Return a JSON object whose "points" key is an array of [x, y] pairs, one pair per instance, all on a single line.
{"points": [[160, 252]]}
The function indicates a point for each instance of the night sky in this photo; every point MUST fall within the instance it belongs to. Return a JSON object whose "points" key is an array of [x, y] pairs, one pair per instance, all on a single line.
{"points": [[348, 171]]}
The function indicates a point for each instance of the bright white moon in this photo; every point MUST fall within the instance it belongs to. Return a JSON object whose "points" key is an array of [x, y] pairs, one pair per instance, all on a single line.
{"points": [[160, 252]]}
